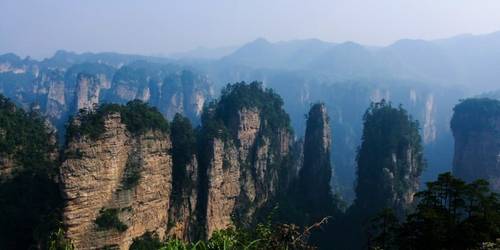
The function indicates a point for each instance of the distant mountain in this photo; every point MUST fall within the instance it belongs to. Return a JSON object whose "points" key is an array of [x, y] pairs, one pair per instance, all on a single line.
{"points": [[467, 60], [282, 55], [204, 53], [64, 58]]}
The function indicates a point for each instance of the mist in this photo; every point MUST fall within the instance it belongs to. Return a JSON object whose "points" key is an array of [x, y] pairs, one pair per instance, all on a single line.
{"points": [[39, 28]]}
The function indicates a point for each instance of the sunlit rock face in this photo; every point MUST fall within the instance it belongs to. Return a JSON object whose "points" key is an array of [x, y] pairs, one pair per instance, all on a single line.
{"points": [[476, 129], [95, 177], [88, 88]]}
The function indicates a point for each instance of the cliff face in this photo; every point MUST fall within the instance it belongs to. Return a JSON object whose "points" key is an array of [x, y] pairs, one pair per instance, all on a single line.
{"points": [[184, 93], [248, 165], [170, 89], [88, 88], [121, 172], [243, 174], [476, 129]]}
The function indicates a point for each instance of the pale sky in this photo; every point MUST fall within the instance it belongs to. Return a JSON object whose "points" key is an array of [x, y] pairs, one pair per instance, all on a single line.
{"points": [[40, 27]]}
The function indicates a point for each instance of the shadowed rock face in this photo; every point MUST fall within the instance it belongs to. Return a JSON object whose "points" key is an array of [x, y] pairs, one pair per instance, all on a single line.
{"points": [[476, 129], [315, 174], [390, 161], [94, 177], [183, 220]]}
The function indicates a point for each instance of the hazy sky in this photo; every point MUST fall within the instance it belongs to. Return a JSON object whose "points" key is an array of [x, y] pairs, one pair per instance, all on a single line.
{"points": [[39, 27]]}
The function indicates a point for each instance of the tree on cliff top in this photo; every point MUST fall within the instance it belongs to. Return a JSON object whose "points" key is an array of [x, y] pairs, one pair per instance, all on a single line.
{"points": [[390, 158], [450, 214]]}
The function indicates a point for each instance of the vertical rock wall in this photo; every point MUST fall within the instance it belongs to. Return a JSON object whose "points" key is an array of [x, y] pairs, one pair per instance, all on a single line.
{"points": [[93, 178]]}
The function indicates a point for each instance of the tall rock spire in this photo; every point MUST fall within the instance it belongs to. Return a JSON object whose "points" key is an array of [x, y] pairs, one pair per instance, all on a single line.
{"points": [[315, 174]]}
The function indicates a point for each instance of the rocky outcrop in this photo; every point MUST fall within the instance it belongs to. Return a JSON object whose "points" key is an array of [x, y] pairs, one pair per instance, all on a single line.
{"points": [[315, 174], [390, 161], [476, 129], [247, 165], [120, 172], [185, 93], [87, 92]]}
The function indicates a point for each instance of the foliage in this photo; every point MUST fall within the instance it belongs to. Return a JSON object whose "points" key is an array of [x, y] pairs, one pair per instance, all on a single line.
{"points": [[24, 136], [138, 116], [316, 198], [263, 236], [108, 219], [58, 241], [132, 174], [236, 96], [388, 135], [183, 139], [219, 116], [475, 114], [147, 241], [450, 214], [30, 200]]}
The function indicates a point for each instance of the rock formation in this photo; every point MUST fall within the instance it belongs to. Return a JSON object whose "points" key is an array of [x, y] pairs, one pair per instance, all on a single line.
{"points": [[121, 172], [87, 91], [315, 174], [247, 160], [390, 160], [177, 191], [476, 129]]}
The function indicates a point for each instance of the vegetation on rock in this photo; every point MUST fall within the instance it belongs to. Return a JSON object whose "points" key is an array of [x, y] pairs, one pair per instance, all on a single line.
{"points": [[450, 214], [475, 114], [138, 116], [30, 201], [108, 219], [390, 158], [183, 151], [265, 236]]}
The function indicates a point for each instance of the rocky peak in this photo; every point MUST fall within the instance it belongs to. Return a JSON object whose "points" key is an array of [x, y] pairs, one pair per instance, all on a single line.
{"points": [[390, 160], [315, 174], [244, 163], [476, 129]]}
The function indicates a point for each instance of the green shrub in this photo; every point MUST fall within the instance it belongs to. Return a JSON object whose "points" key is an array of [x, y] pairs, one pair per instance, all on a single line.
{"points": [[108, 219], [138, 116], [132, 175]]}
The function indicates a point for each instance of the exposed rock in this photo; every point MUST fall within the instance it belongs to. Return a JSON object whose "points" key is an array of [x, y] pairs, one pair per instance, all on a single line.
{"points": [[247, 167], [223, 186], [390, 161], [93, 178], [429, 127], [476, 129], [182, 214], [316, 172], [185, 93], [88, 88]]}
